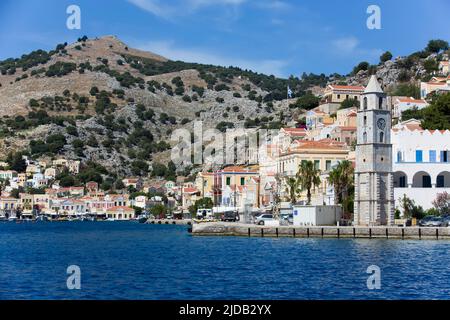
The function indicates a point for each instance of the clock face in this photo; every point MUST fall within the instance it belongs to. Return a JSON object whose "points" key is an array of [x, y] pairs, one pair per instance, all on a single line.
{"points": [[381, 123]]}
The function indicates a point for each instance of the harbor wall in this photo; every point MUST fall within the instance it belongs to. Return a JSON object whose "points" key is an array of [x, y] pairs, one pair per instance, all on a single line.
{"points": [[246, 230]]}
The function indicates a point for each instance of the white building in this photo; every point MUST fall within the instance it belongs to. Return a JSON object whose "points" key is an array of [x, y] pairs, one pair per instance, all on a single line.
{"points": [[317, 215], [402, 104], [421, 164]]}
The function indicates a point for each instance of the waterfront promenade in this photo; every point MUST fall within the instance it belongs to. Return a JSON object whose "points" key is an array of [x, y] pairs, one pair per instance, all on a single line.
{"points": [[251, 230]]}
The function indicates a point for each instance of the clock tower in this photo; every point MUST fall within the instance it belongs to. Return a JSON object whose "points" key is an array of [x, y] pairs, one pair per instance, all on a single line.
{"points": [[374, 186]]}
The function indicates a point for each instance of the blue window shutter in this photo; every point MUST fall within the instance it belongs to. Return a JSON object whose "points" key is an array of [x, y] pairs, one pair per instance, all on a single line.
{"points": [[442, 156], [418, 155], [432, 156]]}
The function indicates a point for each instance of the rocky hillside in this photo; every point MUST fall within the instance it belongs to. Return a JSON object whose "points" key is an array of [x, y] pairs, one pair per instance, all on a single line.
{"points": [[97, 100]]}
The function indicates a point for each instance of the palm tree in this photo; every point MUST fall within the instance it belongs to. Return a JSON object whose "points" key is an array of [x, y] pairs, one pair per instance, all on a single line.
{"points": [[309, 177], [292, 188], [342, 179]]}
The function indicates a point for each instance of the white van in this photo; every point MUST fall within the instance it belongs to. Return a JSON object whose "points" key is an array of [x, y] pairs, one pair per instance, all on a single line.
{"points": [[204, 214]]}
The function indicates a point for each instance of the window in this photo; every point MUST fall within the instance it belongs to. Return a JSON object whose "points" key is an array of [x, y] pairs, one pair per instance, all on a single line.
{"points": [[380, 103], [365, 137], [365, 103], [426, 181], [381, 137], [440, 182], [365, 120], [419, 156], [399, 156], [338, 96], [444, 156], [432, 155], [328, 165], [402, 182], [242, 181], [228, 181], [317, 164]]}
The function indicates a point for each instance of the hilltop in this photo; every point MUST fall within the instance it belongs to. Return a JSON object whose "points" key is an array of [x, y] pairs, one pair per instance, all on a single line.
{"points": [[100, 101]]}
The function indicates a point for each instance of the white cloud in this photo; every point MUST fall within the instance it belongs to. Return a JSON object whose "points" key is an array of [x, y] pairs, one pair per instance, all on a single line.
{"points": [[182, 7], [154, 7], [273, 5], [169, 50], [346, 45], [350, 45]]}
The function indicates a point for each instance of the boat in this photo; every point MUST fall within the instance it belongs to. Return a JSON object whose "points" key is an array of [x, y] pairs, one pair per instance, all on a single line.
{"points": [[42, 218], [142, 218]]}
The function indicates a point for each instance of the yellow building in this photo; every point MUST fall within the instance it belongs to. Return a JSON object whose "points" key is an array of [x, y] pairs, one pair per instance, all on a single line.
{"points": [[205, 184], [325, 154], [346, 117], [338, 93]]}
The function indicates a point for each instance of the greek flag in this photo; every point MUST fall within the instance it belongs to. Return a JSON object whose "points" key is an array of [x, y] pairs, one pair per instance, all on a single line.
{"points": [[289, 92]]}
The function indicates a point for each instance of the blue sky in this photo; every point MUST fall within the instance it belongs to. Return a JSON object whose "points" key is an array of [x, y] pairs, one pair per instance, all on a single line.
{"points": [[280, 37]]}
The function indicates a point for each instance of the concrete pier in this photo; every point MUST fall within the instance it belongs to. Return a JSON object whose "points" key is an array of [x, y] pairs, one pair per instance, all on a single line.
{"points": [[250, 230]]}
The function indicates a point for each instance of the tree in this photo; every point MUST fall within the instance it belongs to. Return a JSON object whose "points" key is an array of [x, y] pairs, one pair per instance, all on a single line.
{"points": [[431, 65], [349, 103], [119, 185], [361, 66], [158, 211], [435, 46], [407, 90], [387, 56], [67, 181], [307, 101], [342, 179], [442, 203], [292, 188], [437, 115], [16, 162], [94, 91], [309, 177], [410, 210]]}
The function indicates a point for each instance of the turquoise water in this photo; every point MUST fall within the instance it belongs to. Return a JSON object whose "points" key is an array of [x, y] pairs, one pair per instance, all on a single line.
{"points": [[136, 261]]}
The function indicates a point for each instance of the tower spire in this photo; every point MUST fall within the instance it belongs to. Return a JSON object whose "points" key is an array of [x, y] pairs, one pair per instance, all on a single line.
{"points": [[373, 86]]}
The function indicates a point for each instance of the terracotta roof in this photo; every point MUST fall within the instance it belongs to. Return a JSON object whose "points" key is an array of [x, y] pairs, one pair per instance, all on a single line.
{"points": [[190, 190], [238, 169], [299, 132], [119, 208], [411, 100], [348, 128], [350, 88], [329, 144]]}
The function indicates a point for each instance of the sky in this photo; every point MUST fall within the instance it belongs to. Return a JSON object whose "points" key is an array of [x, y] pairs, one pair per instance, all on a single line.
{"points": [[280, 37]]}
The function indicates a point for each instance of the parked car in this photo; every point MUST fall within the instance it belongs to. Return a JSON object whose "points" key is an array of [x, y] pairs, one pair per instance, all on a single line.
{"points": [[232, 216], [434, 222], [260, 220], [446, 221], [288, 218], [425, 220]]}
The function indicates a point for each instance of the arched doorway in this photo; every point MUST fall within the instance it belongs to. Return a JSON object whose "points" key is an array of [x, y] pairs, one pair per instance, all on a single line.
{"points": [[443, 180], [421, 180], [400, 179]]}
